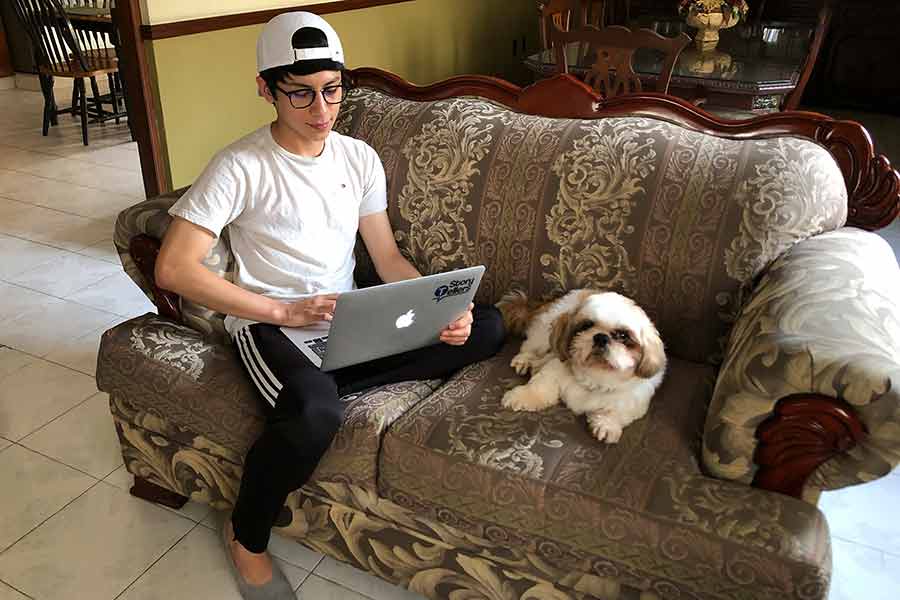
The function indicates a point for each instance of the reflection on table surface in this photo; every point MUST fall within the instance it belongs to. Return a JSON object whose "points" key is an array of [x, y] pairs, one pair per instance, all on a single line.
{"points": [[761, 57]]}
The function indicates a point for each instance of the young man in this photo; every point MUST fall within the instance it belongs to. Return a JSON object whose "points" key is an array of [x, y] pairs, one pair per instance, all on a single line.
{"points": [[293, 195]]}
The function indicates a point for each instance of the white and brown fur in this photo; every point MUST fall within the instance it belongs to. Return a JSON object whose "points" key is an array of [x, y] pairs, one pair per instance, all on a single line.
{"points": [[597, 352]]}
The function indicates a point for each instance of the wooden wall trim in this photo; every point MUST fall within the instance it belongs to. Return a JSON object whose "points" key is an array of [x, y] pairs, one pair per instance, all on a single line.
{"points": [[169, 30], [139, 96]]}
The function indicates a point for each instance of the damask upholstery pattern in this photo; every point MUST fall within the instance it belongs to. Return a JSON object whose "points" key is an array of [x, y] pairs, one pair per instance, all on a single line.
{"points": [[177, 375], [824, 319], [574, 518], [353, 524], [681, 221], [540, 482]]}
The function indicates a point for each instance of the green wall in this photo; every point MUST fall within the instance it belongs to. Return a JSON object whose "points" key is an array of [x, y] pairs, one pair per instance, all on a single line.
{"points": [[206, 82]]}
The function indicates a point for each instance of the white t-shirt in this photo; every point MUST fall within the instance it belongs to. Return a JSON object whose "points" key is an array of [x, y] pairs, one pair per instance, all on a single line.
{"points": [[292, 219]]}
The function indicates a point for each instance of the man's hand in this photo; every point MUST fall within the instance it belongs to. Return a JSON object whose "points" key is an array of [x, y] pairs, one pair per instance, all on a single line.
{"points": [[309, 310], [457, 332]]}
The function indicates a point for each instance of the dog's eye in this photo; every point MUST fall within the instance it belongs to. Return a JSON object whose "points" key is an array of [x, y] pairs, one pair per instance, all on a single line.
{"points": [[583, 326], [620, 335]]}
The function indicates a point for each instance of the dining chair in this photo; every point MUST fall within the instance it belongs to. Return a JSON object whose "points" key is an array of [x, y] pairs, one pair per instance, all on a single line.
{"points": [[61, 51], [567, 14], [612, 48]]}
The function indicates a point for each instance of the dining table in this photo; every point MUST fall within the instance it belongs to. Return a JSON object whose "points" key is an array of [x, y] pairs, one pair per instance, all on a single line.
{"points": [[754, 66]]}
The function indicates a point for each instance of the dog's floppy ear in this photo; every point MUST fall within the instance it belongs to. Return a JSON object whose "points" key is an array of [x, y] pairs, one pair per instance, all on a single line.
{"points": [[653, 357], [561, 336]]}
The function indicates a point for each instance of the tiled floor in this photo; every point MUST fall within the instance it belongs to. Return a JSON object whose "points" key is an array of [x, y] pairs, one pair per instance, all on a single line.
{"points": [[68, 527]]}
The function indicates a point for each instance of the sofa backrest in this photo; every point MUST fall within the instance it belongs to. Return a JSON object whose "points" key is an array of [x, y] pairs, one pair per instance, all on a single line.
{"points": [[679, 220]]}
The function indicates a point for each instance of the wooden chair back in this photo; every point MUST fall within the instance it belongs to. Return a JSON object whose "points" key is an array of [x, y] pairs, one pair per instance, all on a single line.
{"points": [[612, 73], [569, 14], [61, 49], [52, 36]]}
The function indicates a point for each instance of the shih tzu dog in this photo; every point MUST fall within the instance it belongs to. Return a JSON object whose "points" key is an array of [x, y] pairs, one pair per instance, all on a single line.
{"points": [[597, 352]]}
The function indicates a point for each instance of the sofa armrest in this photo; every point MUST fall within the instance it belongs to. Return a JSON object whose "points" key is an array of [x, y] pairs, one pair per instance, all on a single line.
{"points": [[144, 250], [808, 397]]}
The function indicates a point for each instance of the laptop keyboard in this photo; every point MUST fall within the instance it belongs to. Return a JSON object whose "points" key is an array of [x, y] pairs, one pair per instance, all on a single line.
{"points": [[318, 345]]}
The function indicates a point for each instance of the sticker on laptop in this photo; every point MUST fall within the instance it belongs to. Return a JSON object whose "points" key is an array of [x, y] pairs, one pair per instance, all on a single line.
{"points": [[455, 288]]}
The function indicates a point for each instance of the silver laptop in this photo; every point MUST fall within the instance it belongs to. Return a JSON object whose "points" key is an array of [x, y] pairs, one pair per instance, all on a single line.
{"points": [[387, 319]]}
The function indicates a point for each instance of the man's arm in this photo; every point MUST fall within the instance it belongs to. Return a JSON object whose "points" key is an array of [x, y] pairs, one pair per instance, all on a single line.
{"points": [[378, 236], [179, 268]]}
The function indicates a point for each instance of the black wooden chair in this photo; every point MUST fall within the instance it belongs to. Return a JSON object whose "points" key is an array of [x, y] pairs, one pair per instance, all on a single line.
{"points": [[61, 50]]}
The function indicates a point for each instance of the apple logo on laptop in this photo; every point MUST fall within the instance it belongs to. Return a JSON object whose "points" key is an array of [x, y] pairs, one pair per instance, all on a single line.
{"points": [[406, 319]]}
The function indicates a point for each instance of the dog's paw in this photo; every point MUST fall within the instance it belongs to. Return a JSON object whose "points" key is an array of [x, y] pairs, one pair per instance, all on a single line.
{"points": [[524, 398], [522, 362], [604, 427]]}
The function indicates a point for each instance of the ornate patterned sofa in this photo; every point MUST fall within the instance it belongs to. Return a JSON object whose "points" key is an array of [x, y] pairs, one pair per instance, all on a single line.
{"points": [[781, 324]]}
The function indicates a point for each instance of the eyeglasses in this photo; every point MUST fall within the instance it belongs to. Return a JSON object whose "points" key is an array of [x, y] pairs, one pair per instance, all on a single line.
{"points": [[332, 94]]}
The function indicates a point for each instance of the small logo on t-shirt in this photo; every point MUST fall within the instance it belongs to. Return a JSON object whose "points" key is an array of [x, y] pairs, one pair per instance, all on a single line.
{"points": [[456, 287]]}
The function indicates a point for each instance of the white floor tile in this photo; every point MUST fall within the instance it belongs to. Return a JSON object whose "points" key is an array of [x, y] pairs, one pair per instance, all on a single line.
{"points": [[94, 548], [12, 360], [122, 156], [15, 158], [16, 301], [865, 514], [52, 227], [37, 393], [84, 438], [8, 593], [195, 511], [34, 488], [91, 175], [362, 582], [104, 250], [65, 275], [316, 588], [861, 572], [116, 293], [41, 329], [196, 568], [18, 255], [79, 353]]}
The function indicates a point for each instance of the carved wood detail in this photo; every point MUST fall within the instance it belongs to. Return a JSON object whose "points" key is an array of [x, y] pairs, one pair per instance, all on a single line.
{"points": [[804, 431], [144, 250], [873, 186], [147, 490]]}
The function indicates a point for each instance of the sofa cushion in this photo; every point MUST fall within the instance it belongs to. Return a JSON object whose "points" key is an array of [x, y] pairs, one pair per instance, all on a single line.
{"points": [[540, 481], [677, 219], [170, 380]]}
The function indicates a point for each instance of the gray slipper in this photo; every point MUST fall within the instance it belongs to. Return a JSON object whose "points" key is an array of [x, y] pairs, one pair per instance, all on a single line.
{"points": [[278, 588]]}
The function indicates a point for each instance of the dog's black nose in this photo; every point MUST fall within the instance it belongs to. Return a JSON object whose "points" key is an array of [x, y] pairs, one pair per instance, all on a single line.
{"points": [[601, 340]]}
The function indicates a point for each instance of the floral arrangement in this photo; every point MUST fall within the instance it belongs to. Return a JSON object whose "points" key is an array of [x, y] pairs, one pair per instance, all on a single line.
{"points": [[737, 8]]}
